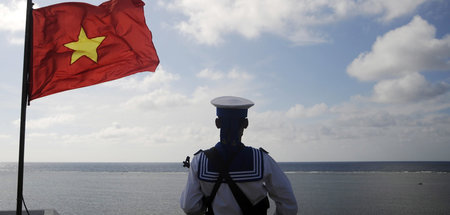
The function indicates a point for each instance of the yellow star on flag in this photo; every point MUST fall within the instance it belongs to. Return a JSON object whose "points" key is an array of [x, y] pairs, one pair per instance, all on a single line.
{"points": [[84, 47]]}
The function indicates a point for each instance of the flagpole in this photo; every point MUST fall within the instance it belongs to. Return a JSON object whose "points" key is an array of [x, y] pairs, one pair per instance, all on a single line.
{"points": [[26, 69]]}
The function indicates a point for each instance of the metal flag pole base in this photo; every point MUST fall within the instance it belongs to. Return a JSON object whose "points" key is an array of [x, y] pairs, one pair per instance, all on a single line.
{"points": [[26, 69]]}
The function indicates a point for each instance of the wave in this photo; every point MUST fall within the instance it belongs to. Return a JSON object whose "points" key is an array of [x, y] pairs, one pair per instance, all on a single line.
{"points": [[365, 172], [290, 168]]}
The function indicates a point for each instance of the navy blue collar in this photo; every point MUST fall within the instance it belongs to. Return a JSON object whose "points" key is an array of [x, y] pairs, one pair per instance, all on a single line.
{"points": [[227, 150]]}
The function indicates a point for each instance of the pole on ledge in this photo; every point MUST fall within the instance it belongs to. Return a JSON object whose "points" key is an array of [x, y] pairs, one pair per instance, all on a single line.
{"points": [[26, 69]]}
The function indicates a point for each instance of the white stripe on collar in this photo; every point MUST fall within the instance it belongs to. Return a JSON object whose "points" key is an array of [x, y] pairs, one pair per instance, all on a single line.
{"points": [[253, 174]]}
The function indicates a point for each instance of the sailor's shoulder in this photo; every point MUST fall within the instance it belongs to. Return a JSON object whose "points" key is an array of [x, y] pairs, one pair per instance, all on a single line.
{"points": [[251, 148], [263, 150], [198, 152]]}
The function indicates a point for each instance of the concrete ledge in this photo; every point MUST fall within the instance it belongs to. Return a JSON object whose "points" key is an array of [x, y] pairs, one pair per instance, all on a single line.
{"points": [[32, 212]]}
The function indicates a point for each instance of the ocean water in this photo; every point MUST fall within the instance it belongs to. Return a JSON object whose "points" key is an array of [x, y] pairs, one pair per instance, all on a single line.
{"points": [[154, 188]]}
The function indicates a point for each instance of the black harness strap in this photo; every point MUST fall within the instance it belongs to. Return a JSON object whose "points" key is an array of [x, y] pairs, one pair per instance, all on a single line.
{"points": [[208, 200], [244, 203], [240, 197], [212, 155]]}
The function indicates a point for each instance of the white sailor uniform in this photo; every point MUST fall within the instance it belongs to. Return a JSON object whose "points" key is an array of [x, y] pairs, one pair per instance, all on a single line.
{"points": [[255, 173]]}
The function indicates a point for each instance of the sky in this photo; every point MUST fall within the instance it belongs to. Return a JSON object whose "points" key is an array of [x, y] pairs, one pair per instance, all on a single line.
{"points": [[332, 80]]}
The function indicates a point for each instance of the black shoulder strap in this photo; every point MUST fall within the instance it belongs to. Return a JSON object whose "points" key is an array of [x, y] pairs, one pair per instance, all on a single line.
{"points": [[241, 198], [209, 199]]}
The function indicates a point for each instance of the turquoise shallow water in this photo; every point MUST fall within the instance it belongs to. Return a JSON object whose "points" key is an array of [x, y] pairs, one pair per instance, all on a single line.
{"points": [[100, 191]]}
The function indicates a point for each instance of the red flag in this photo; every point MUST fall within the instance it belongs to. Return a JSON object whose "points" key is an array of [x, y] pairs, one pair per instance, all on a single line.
{"points": [[78, 44]]}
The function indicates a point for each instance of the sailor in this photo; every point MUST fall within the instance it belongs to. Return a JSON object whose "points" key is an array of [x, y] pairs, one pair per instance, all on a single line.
{"points": [[231, 178]]}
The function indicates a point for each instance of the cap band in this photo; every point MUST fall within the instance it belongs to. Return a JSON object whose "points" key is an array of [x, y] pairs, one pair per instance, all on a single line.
{"points": [[232, 113]]}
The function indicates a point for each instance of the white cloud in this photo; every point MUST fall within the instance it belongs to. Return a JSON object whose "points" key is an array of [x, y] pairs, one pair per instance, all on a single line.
{"points": [[12, 15], [209, 74], [12, 20], [47, 122], [116, 131], [233, 74], [4, 136], [369, 118], [355, 131], [299, 111], [168, 132], [398, 57], [151, 80], [405, 50], [162, 124], [158, 99], [411, 87], [210, 20], [390, 9], [16, 40]]}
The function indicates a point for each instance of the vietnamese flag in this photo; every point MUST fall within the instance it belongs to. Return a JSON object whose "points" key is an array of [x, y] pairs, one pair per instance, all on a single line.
{"points": [[78, 44]]}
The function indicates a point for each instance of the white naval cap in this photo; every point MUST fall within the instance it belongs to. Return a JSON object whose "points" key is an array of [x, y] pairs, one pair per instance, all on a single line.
{"points": [[231, 106], [232, 102]]}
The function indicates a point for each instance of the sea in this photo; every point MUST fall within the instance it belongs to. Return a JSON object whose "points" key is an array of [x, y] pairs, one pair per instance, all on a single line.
{"points": [[398, 188]]}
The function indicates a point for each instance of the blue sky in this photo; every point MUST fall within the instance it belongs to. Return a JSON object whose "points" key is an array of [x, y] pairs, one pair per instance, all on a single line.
{"points": [[335, 80]]}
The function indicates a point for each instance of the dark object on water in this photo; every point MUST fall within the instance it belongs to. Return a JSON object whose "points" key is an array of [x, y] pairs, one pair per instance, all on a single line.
{"points": [[420, 183], [187, 162], [32, 212]]}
